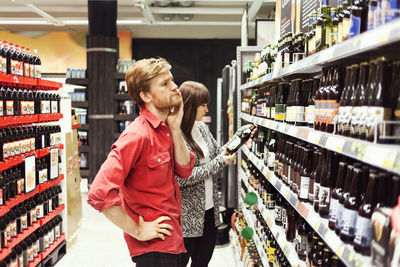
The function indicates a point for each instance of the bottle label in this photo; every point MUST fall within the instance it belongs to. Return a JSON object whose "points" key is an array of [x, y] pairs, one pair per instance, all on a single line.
{"points": [[271, 159], [302, 247], [13, 227], [286, 59], [39, 213], [362, 124], [31, 71], [45, 107], [318, 38], [390, 9], [349, 222], [263, 110], [32, 142], [355, 120], [30, 253], [42, 176], [304, 187], [363, 236], [31, 107], [284, 219], [316, 193], [38, 71], [333, 210], [10, 107], [26, 70], [280, 114], [346, 118], [24, 108], [273, 112], [278, 213], [376, 115], [1, 109], [14, 67], [310, 114], [20, 261], [346, 28], [24, 221], [4, 64], [328, 36], [8, 231], [271, 202], [272, 254], [334, 35], [355, 26], [324, 199], [20, 186], [1, 197], [299, 114], [235, 143], [58, 234], [371, 16]]}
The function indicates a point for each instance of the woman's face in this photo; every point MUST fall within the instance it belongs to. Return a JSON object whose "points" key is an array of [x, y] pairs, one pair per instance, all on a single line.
{"points": [[201, 111]]}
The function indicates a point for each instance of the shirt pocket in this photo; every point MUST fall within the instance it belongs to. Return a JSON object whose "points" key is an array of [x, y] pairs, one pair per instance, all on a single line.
{"points": [[158, 165]]}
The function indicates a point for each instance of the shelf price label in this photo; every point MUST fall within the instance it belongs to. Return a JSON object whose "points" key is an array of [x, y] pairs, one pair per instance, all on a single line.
{"points": [[314, 137], [335, 143], [293, 130], [380, 156], [282, 128]]}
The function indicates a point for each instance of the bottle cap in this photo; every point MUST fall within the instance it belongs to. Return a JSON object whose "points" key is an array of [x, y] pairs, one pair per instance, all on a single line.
{"points": [[251, 199], [247, 233]]}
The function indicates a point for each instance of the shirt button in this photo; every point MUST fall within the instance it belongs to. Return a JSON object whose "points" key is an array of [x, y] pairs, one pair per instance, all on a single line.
{"points": [[167, 134], [163, 124], [159, 160]]}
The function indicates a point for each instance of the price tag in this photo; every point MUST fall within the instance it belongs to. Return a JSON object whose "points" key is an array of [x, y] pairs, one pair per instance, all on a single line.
{"points": [[335, 143], [293, 130], [339, 251], [380, 156], [286, 250], [282, 128], [269, 124], [274, 125], [314, 137]]}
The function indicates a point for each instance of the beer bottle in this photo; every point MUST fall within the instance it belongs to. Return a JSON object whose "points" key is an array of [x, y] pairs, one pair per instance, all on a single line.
{"points": [[336, 193], [297, 170], [312, 254], [305, 175], [278, 209], [351, 91], [358, 96], [271, 151], [319, 32], [310, 102], [291, 224], [290, 112], [345, 194], [340, 21], [318, 179], [351, 206], [335, 261], [288, 152], [301, 103], [363, 237], [327, 259], [273, 101], [311, 43], [372, 9], [346, 24], [364, 98], [327, 24], [290, 161], [342, 102], [280, 104], [318, 97], [333, 95], [396, 101], [328, 180], [316, 156], [239, 139], [334, 27], [380, 109]]}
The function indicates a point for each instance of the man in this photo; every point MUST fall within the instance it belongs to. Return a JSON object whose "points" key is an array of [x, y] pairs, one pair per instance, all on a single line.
{"points": [[142, 165]]}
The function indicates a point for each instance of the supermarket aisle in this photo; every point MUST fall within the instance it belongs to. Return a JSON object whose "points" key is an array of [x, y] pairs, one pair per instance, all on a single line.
{"points": [[101, 244]]}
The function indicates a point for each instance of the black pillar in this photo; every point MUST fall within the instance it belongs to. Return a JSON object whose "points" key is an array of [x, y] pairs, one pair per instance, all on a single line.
{"points": [[102, 57]]}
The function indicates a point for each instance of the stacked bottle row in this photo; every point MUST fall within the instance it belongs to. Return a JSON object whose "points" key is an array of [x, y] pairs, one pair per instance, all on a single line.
{"points": [[358, 101], [18, 60], [16, 141], [248, 250], [307, 244], [339, 188], [30, 248], [16, 101]]}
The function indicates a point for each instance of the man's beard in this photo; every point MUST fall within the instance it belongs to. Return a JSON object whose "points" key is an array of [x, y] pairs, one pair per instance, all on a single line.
{"points": [[162, 104]]}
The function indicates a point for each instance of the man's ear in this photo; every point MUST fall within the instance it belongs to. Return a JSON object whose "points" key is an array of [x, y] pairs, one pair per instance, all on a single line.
{"points": [[145, 98]]}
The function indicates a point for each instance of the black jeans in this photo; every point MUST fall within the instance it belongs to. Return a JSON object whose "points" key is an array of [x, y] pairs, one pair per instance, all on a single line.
{"points": [[200, 249], [156, 259]]}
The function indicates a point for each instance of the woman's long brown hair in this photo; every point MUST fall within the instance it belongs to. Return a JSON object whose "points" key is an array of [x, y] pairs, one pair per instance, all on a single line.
{"points": [[194, 94]]}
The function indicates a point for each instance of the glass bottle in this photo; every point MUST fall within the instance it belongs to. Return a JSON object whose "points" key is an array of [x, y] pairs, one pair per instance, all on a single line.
{"points": [[318, 179], [342, 197], [328, 180], [364, 98], [327, 24], [348, 107], [359, 94], [336, 193], [351, 206], [316, 156], [305, 175], [319, 33]]}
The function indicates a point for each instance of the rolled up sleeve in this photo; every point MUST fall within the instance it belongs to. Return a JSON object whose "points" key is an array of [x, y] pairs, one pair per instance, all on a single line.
{"points": [[184, 172], [112, 174]]}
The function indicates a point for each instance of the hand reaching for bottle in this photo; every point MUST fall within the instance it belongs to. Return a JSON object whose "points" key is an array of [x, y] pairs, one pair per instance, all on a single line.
{"points": [[228, 158]]}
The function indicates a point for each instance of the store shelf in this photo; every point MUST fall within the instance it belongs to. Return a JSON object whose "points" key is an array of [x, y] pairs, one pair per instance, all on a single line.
{"points": [[84, 173], [21, 198], [28, 82], [277, 231], [84, 127], [119, 75], [75, 126], [51, 215], [47, 85], [389, 155], [80, 104], [36, 261], [345, 252], [126, 117], [28, 119], [85, 149], [366, 42], [40, 153], [53, 246], [122, 97], [77, 81]]}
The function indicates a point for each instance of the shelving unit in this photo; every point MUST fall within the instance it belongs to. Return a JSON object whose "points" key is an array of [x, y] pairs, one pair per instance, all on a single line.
{"points": [[125, 117], [80, 104], [122, 97], [119, 76], [389, 155], [77, 81], [345, 252], [84, 149], [367, 42]]}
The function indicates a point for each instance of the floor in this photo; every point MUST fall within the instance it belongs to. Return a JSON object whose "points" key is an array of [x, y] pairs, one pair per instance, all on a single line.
{"points": [[101, 244]]}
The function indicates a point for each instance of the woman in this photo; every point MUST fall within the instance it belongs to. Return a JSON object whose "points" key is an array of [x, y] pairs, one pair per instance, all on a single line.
{"points": [[200, 214]]}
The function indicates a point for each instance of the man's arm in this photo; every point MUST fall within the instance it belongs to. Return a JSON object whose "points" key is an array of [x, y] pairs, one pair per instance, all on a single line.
{"points": [[144, 230]]}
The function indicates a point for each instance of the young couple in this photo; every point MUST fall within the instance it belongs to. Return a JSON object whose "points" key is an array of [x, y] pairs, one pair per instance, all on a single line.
{"points": [[159, 182]]}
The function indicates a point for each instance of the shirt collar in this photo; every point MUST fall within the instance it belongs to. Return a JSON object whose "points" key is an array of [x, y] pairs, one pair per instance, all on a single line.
{"points": [[150, 117]]}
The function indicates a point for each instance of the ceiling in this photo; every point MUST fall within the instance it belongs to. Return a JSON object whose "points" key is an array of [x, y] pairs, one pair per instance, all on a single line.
{"points": [[145, 19]]}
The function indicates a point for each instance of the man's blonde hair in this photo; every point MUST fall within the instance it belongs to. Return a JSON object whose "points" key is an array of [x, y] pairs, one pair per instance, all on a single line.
{"points": [[139, 75]]}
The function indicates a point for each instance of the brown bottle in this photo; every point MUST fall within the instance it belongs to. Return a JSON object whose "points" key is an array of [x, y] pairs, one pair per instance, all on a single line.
{"points": [[318, 179], [297, 169], [336, 193], [316, 156], [325, 111], [356, 101], [305, 175], [295, 157], [364, 94], [292, 151], [342, 101], [351, 206], [318, 104], [288, 153], [380, 109], [395, 97], [363, 235], [351, 91], [328, 181], [334, 94], [300, 104], [345, 194]]}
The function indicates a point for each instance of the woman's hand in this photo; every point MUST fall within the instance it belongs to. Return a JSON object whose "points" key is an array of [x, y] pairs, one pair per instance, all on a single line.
{"points": [[228, 158]]}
